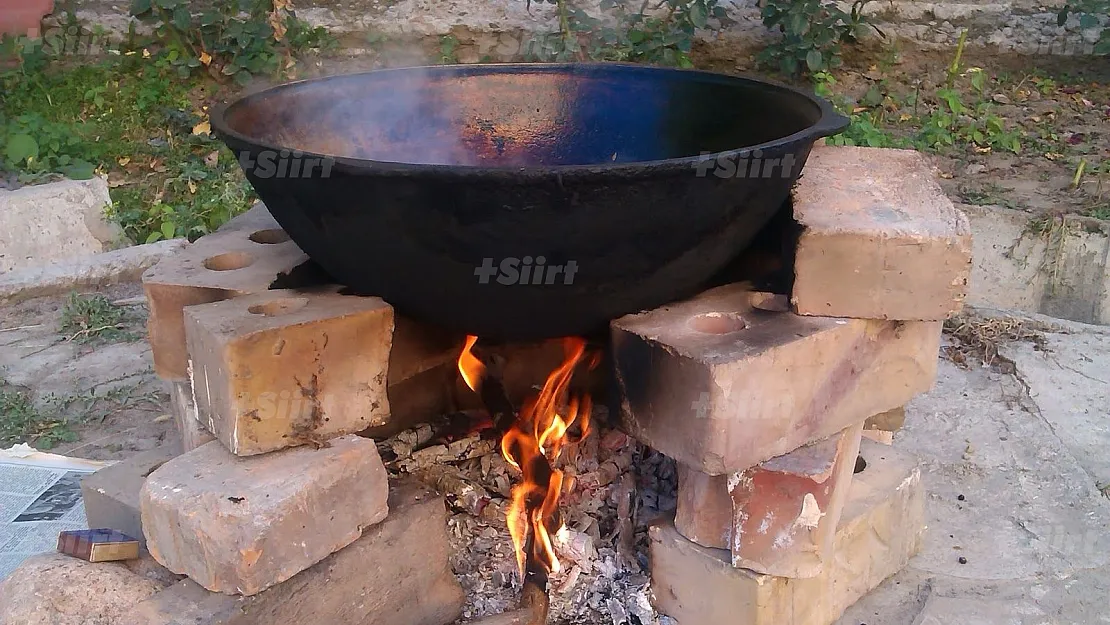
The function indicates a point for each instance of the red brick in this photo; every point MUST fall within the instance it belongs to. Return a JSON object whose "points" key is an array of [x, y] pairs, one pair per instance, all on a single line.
{"points": [[881, 528], [880, 238], [721, 386], [785, 510], [704, 512]]}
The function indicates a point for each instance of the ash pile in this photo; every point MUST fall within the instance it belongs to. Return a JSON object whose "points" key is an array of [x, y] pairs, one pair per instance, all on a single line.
{"points": [[614, 488]]}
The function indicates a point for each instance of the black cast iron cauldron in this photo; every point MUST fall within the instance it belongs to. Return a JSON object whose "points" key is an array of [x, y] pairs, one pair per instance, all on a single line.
{"points": [[524, 201]]}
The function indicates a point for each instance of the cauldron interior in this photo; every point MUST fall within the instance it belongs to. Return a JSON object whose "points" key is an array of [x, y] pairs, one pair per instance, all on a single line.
{"points": [[524, 118]]}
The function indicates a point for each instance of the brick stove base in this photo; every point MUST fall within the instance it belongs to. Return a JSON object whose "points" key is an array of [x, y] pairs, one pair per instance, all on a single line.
{"points": [[762, 407]]}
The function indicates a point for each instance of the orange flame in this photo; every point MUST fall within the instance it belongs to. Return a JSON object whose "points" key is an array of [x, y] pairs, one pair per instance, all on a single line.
{"points": [[532, 446], [471, 369]]}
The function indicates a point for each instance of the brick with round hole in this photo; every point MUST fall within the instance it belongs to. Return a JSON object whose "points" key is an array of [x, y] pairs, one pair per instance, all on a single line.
{"points": [[287, 368], [720, 385], [245, 256]]}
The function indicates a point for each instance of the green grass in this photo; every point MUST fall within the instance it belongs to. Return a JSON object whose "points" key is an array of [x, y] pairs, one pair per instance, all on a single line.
{"points": [[22, 422], [93, 319], [129, 118]]}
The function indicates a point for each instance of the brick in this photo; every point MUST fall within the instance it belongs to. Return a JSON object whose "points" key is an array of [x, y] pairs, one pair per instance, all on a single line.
{"points": [[241, 525], [193, 433], [880, 239], [704, 511], [111, 495], [881, 528], [785, 510], [762, 514], [245, 256], [721, 386], [287, 368], [397, 573]]}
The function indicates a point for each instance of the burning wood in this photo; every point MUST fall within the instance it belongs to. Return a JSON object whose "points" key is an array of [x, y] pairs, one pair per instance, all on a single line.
{"points": [[531, 444], [601, 510]]}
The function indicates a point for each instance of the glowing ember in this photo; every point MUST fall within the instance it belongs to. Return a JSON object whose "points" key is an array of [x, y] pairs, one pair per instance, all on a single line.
{"points": [[532, 445]]}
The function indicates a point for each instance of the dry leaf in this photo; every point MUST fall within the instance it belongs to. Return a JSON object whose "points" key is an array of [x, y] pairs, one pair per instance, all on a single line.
{"points": [[146, 53], [192, 187], [212, 159], [905, 117], [277, 22], [203, 129], [985, 150], [205, 58], [123, 161]]}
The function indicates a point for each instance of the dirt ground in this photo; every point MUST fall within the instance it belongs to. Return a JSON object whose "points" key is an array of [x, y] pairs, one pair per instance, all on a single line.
{"points": [[1057, 108], [102, 393]]}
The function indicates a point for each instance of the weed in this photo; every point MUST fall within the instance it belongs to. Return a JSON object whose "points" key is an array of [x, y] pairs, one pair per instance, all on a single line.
{"points": [[229, 38], [93, 319], [638, 36], [22, 422], [130, 119], [989, 194], [813, 33], [448, 50]]}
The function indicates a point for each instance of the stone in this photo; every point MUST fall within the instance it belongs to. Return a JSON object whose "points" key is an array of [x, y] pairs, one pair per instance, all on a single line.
{"points": [[721, 386], [111, 495], [55, 589], [287, 368], [785, 510], [99, 270], [880, 239], [241, 525], [34, 219], [397, 573], [245, 256], [183, 406], [881, 528]]}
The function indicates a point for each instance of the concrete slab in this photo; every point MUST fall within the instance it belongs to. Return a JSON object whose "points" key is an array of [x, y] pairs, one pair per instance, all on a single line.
{"points": [[1011, 477]]}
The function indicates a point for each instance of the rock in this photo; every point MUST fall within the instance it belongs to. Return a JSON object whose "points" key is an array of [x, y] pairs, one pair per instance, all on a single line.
{"points": [[55, 589], [34, 221]]}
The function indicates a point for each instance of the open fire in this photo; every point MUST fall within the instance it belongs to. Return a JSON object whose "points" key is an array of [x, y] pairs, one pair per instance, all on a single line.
{"points": [[532, 442]]}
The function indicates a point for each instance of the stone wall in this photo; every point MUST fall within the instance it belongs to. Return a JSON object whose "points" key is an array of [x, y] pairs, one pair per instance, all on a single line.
{"points": [[499, 29]]}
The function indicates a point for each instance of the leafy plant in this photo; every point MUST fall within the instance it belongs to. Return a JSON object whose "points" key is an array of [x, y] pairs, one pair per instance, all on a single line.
{"points": [[22, 422], [93, 318], [37, 148], [662, 35], [228, 38], [813, 33], [1089, 13]]}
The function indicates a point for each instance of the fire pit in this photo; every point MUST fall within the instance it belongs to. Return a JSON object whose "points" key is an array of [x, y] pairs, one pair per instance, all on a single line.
{"points": [[525, 201]]}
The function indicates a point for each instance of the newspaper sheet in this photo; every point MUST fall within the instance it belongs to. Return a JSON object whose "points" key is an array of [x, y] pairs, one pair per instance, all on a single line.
{"points": [[40, 495]]}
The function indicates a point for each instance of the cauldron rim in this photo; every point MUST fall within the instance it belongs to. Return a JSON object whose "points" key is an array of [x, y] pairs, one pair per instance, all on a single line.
{"points": [[829, 122]]}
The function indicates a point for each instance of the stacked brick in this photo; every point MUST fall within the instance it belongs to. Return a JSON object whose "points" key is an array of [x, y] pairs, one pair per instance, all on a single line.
{"points": [[773, 414], [278, 511]]}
